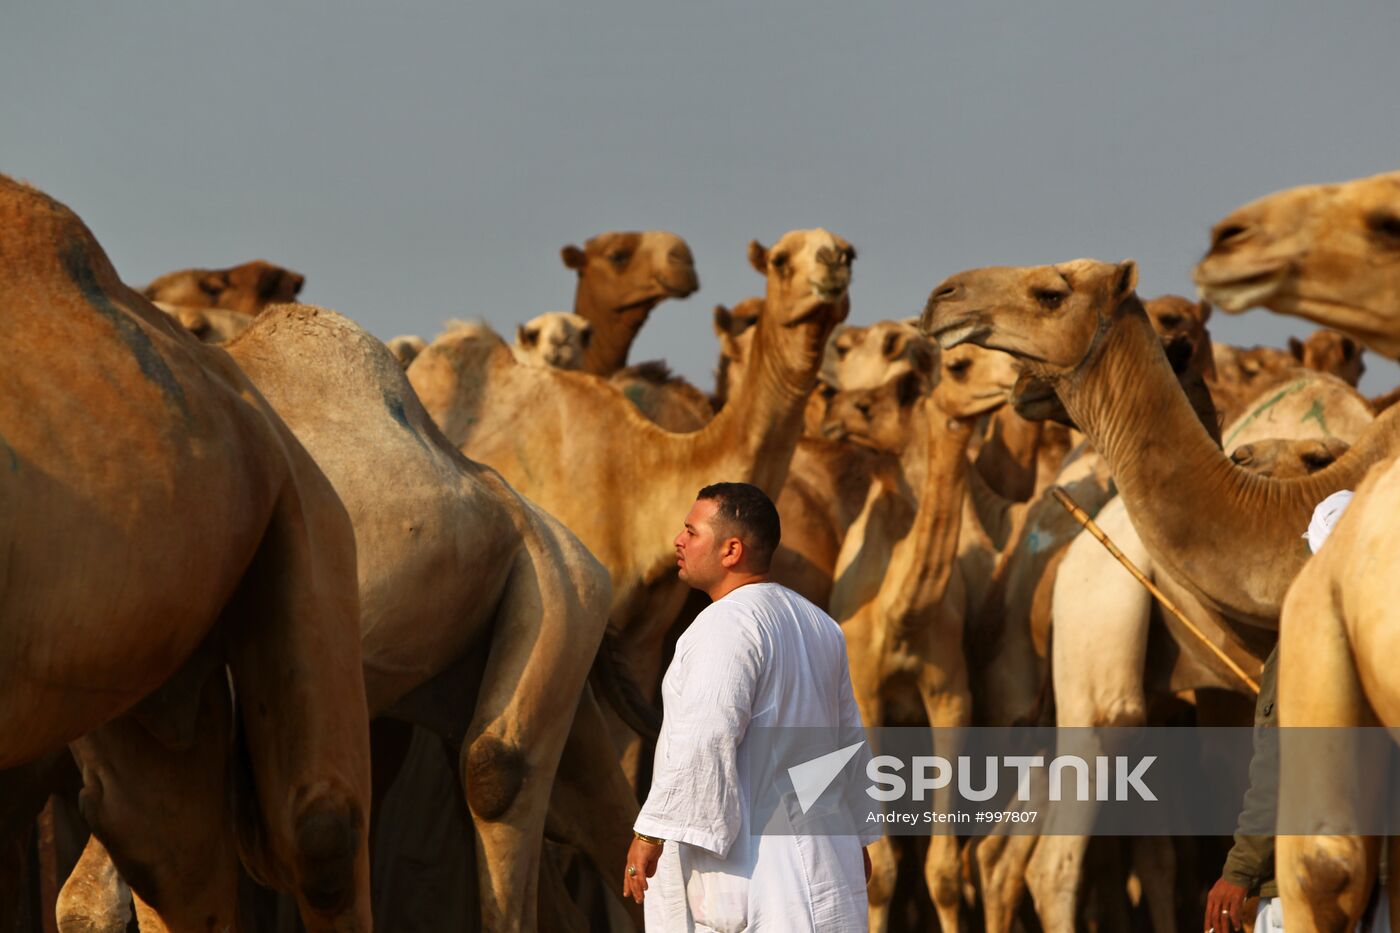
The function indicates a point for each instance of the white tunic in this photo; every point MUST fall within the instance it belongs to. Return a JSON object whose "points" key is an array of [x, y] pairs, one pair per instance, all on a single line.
{"points": [[761, 656]]}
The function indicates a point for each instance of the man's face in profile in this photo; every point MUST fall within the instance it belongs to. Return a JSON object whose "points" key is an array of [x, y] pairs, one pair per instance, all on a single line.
{"points": [[698, 548]]}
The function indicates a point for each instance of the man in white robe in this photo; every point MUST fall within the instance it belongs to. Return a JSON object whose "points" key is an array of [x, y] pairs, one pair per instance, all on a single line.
{"points": [[759, 656]]}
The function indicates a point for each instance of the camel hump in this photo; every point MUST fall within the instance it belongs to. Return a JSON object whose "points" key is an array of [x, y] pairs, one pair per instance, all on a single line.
{"points": [[46, 250], [306, 355]]}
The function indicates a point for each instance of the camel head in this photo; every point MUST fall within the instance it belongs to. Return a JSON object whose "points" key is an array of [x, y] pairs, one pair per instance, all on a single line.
{"points": [[556, 338], [1328, 253], [1050, 317], [1329, 351], [1284, 459], [406, 348], [248, 288], [878, 417], [1181, 323], [871, 356], [809, 276]]}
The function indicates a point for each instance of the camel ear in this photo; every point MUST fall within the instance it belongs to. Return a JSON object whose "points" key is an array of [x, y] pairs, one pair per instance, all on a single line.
{"points": [[585, 336], [724, 319], [1349, 349], [922, 357], [574, 257], [1205, 310], [526, 337], [758, 257], [1295, 347], [1125, 278], [893, 346]]}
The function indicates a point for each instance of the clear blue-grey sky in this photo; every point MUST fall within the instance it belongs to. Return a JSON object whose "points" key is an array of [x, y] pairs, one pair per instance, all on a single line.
{"points": [[422, 161]]}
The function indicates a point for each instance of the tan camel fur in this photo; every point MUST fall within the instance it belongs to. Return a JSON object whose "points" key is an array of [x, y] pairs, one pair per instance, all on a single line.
{"points": [[1234, 541], [1301, 252], [867, 357], [896, 586], [209, 537], [1332, 352], [433, 591], [555, 338], [663, 398], [621, 278], [578, 448], [1103, 674], [406, 348], [247, 289], [731, 326], [211, 325]]}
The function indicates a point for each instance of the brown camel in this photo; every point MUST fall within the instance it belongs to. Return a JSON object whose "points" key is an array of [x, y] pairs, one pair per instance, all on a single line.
{"points": [[1298, 252], [1079, 325], [212, 538], [663, 398], [621, 278], [897, 592], [555, 338], [626, 479], [247, 289], [1332, 352]]}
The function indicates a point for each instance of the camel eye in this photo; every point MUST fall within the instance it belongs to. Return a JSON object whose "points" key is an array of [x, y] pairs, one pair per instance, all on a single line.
{"points": [[1049, 297], [779, 261], [619, 257], [1384, 224], [959, 367]]}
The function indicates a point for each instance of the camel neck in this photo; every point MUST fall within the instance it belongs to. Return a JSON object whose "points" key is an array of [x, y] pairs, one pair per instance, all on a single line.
{"points": [[614, 329], [1229, 536], [753, 436], [921, 563]]}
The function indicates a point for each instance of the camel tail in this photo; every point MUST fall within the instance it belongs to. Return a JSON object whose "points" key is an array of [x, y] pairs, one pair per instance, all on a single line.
{"points": [[614, 683]]}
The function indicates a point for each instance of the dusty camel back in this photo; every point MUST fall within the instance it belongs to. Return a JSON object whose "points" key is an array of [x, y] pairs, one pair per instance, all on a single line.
{"points": [[1233, 540], [578, 448], [621, 278], [208, 510]]}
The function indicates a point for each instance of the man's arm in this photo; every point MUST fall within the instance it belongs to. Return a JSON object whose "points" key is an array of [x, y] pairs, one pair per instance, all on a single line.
{"points": [[695, 795]]}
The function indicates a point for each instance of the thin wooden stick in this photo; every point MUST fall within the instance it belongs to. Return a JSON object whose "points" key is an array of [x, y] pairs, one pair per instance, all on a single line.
{"points": [[1081, 516]]}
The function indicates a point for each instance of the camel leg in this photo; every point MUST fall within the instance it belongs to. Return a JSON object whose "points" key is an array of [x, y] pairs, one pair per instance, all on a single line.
{"points": [[293, 628], [862, 656], [948, 704], [1001, 866], [1324, 880], [159, 816], [547, 627], [591, 806], [94, 899], [1154, 860]]}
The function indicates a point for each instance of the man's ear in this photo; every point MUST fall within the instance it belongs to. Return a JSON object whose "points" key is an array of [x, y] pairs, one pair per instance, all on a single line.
{"points": [[758, 257], [733, 553], [574, 257]]}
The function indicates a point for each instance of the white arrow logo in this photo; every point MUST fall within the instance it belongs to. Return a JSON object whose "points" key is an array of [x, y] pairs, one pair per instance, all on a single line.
{"points": [[811, 778]]}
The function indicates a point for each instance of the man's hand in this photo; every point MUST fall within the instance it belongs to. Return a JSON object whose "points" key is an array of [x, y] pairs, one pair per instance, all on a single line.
{"points": [[865, 854], [642, 856], [1225, 907]]}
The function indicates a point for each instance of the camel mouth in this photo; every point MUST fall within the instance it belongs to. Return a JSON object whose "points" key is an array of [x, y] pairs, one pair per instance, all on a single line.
{"points": [[829, 292], [956, 333], [1238, 294]]}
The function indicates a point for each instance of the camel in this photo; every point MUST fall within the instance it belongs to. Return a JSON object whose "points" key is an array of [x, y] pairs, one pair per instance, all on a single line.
{"points": [[246, 289], [867, 357], [1102, 668], [1332, 352], [212, 539], [1234, 541], [406, 348], [1298, 252], [555, 338], [487, 646], [731, 326], [621, 278], [896, 593], [628, 481], [665, 399], [1324, 252], [210, 325]]}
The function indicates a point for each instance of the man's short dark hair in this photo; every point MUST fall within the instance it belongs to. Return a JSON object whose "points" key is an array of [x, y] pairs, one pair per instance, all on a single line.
{"points": [[745, 512]]}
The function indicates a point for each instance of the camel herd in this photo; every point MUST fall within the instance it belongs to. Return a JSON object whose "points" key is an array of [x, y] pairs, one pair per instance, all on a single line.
{"points": [[253, 556]]}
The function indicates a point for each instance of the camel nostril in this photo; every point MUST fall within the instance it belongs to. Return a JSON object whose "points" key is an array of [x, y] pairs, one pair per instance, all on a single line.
{"points": [[944, 293], [1229, 235], [680, 256]]}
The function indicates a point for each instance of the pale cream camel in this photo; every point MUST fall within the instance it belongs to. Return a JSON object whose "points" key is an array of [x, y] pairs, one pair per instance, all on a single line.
{"points": [[1234, 540], [897, 589], [213, 538], [867, 357], [1103, 673], [406, 348], [621, 278], [555, 338], [247, 289], [1321, 252], [578, 448]]}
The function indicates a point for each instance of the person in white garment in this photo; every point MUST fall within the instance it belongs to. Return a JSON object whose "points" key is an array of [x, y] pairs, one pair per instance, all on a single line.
{"points": [[758, 656]]}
